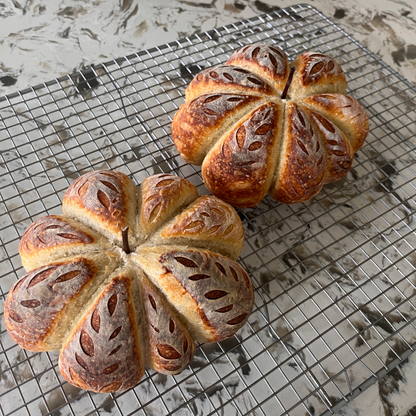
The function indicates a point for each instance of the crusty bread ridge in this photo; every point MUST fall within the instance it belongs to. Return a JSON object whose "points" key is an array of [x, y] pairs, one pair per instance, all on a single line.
{"points": [[43, 304], [103, 200], [55, 237], [210, 292], [102, 352], [207, 223]]}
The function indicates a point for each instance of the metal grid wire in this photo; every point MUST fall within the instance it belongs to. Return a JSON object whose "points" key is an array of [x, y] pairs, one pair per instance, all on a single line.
{"points": [[334, 277]]}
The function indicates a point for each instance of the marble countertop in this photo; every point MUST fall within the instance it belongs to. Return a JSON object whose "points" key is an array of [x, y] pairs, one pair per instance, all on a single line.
{"points": [[41, 40]]}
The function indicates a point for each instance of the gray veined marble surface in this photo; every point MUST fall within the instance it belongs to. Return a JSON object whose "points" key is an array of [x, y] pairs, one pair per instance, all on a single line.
{"points": [[42, 40]]}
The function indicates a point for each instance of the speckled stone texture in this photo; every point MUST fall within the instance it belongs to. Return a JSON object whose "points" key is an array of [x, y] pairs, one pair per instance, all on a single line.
{"points": [[43, 40]]}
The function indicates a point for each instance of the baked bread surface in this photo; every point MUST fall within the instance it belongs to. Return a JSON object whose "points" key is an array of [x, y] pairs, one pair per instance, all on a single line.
{"points": [[314, 127], [97, 296]]}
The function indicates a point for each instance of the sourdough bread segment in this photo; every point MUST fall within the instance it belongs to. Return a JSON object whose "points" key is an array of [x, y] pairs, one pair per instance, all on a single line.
{"points": [[309, 141], [97, 291], [268, 62], [203, 119], [239, 168], [102, 352], [170, 347], [211, 292], [56, 237], [104, 201], [209, 223], [43, 304]]}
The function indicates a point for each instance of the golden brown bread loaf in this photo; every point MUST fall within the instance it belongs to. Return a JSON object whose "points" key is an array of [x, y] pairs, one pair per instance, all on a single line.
{"points": [[260, 125], [113, 305]]}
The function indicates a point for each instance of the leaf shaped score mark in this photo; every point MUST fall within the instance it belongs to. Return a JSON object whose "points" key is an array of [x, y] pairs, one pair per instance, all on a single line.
{"points": [[155, 196], [317, 66], [98, 191], [49, 231], [86, 343], [32, 303], [250, 137], [168, 352]]}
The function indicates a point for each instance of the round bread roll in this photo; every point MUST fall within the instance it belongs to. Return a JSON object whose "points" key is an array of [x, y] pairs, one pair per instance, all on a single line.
{"points": [[129, 277], [259, 125]]}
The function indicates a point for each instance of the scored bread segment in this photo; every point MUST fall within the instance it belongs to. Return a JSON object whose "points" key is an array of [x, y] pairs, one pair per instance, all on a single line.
{"points": [[302, 167], [316, 73], [228, 79], [105, 201], [55, 237], [339, 152], [343, 111], [203, 120], [43, 304], [268, 62], [212, 293], [207, 223], [171, 348], [102, 353], [162, 196], [240, 167]]}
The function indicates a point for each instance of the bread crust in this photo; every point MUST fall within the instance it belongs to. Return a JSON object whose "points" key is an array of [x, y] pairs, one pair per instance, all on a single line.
{"points": [[162, 196], [218, 285], [102, 353], [228, 79], [38, 301], [52, 237], [196, 124], [267, 61], [104, 200], [209, 222], [345, 112], [213, 294], [171, 348], [302, 170], [316, 73], [240, 167], [339, 152]]}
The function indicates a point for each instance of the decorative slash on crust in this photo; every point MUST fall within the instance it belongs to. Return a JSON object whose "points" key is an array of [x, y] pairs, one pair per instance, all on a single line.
{"points": [[242, 176], [343, 111], [52, 237], [226, 78], [162, 196], [102, 353], [104, 200], [339, 153], [316, 73], [268, 62], [209, 218], [302, 175], [196, 121]]}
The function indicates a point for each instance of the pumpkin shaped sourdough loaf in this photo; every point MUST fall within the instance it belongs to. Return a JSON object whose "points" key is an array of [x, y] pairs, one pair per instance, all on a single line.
{"points": [[260, 125], [129, 277]]}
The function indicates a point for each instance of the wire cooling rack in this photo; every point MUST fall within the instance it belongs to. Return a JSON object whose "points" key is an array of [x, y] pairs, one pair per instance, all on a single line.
{"points": [[334, 277]]}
